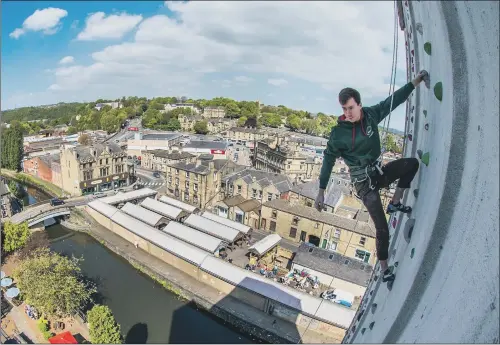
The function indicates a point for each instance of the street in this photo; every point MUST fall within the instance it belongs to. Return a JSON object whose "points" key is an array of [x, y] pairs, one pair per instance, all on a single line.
{"points": [[146, 178]]}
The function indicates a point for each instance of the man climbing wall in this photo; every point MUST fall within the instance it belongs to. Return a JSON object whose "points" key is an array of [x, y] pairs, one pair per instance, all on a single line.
{"points": [[356, 139]]}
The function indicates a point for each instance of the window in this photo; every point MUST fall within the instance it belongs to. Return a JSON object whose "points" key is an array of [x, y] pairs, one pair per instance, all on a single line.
{"points": [[269, 196], [303, 236], [272, 226], [295, 220], [107, 161], [195, 198], [102, 172], [186, 196], [177, 171], [333, 246], [260, 194], [330, 256], [230, 188], [362, 241], [239, 189], [187, 184], [346, 262], [316, 225], [293, 233], [187, 174], [100, 161], [195, 186], [176, 181], [87, 175], [311, 250], [239, 217], [309, 204], [362, 255], [274, 214], [254, 193], [169, 178], [337, 233]]}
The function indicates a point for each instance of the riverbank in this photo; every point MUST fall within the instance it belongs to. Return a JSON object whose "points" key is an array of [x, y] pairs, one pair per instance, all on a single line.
{"points": [[35, 182], [238, 314]]}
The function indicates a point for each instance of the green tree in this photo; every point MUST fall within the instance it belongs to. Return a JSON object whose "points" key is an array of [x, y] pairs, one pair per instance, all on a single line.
{"points": [[16, 236], [242, 120], [103, 327], [12, 146], [173, 125], [53, 283], [85, 139], [72, 130], [293, 122], [110, 121], [271, 120], [201, 127]]}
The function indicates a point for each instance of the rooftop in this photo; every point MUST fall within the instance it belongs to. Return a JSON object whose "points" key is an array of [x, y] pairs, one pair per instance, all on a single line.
{"points": [[333, 193], [175, 155], [362, 228], [245, 130], [86, 153], [333, 264], [205, 144], [249, 205], [160, 136], [263, 178]]}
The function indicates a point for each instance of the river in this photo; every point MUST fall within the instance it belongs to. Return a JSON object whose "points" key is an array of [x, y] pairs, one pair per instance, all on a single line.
{"points": [[146, 312]]}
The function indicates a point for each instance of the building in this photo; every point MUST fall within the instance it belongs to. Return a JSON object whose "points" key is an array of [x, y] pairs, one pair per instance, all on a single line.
{"points": [[333, 269], [198, 147], [197, 183], [5, 201], [256, 184], [42, 147], [95, 168], [239, 209], [214, 112], [349, 237], [43, 167], [305, 193], [152, 141], [283, 159], [245, 135], [170, 107], [218, 125], [187, 122], [113, 105], [161, 159]]}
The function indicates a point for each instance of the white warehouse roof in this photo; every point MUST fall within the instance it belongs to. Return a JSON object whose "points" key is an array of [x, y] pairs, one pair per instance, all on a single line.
{"points": [[265, 244], [143, 214], [212, 228], [103, 208], [235, 225], [178, 204], [194, 237], [128, 196], [165, 210]]}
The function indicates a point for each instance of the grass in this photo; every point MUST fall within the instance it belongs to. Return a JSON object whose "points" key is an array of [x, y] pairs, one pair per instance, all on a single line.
{"points": [[47, 187]]}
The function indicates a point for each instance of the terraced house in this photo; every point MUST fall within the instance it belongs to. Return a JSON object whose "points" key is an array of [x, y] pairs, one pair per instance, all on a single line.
{"points": [[349, 237], [95, 168], [161, 159]]}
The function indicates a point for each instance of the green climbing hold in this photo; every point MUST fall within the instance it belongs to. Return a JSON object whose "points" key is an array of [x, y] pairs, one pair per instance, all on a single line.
{"points": [[412, 253], [425, 158], [427, 47], [438, 91], [415, 193], [425, 113]]}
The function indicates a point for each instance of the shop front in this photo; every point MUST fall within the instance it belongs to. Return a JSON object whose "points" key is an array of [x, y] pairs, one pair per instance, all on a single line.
{"points": [[105, 183]]}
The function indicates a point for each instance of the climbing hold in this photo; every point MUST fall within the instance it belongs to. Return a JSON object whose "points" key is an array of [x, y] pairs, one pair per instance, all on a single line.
{"points": [[412, 253], [438, 91], [390, 284], [394, 222], [393, 254], [478, 128], [425, 158], [410, 137], [374, 307], [412, 108], [411, 119], [372, 324], [415, 193], [419, 154], [408, 230], [353, 329], [396, 264], [428, 47], [371, 292], [425, 112], [363, 330], [426, 126], [419, 28]]}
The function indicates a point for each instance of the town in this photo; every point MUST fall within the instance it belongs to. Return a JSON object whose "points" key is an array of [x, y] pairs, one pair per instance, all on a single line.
{"points": [[219, 190]]}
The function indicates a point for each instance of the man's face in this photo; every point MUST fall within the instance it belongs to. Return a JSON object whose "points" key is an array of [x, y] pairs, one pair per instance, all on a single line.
{"points": [[352, 110]]}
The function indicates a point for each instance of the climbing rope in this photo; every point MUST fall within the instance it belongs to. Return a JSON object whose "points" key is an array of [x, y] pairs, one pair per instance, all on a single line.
{"points": [[388, 118]]}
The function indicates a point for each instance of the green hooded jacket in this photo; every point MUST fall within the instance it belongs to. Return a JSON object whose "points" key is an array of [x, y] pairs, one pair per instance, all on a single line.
{"points": [[359, 143]]}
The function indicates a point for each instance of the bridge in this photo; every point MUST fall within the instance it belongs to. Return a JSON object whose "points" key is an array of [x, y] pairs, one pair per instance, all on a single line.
{"points": [[43, 212]]}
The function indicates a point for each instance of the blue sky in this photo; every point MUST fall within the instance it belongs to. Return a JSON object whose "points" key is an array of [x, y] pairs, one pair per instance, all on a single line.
{"points": [[299, 54]]}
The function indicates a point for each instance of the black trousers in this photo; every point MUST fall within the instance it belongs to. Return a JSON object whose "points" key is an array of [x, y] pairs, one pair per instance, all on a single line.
{"points": [[403, 169]]}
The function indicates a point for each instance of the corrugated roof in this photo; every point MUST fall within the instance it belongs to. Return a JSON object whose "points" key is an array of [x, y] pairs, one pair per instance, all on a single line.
{"points": [[212, 227], [309, 305], [143, 214], [249, 205], [265, 244], [103, 208], [169, 243], [228, 222], [128, 196], [323, 217], [194, 237], [165, 210], [282, 182], [178, 204]]}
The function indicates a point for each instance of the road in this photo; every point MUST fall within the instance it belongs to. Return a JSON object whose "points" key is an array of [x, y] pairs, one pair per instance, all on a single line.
{"points": [[241, 153], [146, 178]]}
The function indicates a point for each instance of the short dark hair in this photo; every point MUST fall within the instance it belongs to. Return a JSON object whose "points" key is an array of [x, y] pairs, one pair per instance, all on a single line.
{"points": [[348, 93]]}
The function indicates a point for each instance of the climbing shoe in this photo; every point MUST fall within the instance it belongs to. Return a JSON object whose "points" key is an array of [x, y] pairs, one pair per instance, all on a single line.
{"points": [[391, 208], [388, 275]]}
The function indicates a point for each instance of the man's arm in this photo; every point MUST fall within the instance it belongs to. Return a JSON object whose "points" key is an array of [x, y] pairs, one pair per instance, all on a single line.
{"points": [[330, 155], [400, 96]]}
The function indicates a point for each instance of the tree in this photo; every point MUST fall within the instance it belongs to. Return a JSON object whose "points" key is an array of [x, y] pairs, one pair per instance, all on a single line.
{"points": [[271, 120], [53, 283], [16, 236], [201, 127], [103, 328], [173, 125], [12, 146], [110, 121], [37, 240], [293, 122], [72, 130], [242, 120], [85, 139]]}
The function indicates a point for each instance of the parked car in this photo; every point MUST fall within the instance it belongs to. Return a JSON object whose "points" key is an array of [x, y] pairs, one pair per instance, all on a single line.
{"points": [[156, 174], [56, 202], [99, 194]]}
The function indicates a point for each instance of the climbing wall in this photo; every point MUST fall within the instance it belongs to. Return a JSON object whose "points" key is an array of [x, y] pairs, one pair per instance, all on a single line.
{"points": [[446, 252]]}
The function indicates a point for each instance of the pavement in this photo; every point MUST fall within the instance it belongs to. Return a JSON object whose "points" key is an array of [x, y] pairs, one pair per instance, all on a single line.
{"points": [[145, 177]]}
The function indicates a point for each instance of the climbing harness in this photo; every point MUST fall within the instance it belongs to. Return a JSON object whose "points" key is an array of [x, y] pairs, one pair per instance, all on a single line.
{"points": [[377, 164]]}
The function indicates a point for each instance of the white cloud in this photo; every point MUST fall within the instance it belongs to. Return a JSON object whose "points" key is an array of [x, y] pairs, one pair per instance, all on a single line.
{"points": [[277, 82], [243, 79], [66, 60], [321, 99], [47, 20], [114, 26], [312, 42]]}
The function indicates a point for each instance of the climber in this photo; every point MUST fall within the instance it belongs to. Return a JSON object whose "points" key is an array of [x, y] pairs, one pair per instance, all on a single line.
{"points": [[356, 139]]}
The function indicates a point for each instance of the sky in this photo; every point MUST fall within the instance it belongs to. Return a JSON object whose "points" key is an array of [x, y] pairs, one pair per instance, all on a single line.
{"points": [[298, 54]]}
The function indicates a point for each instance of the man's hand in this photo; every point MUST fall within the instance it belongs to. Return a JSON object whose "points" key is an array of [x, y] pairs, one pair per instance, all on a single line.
{"points": [[320, 200], [421, 76]]}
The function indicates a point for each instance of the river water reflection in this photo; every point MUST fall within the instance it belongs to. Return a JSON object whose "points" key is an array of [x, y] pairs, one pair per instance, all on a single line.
{"points": [[147, 312]]}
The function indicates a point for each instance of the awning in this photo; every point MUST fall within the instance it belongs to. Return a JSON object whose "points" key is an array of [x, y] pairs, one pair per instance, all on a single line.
{"points": [[63, 338]]}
